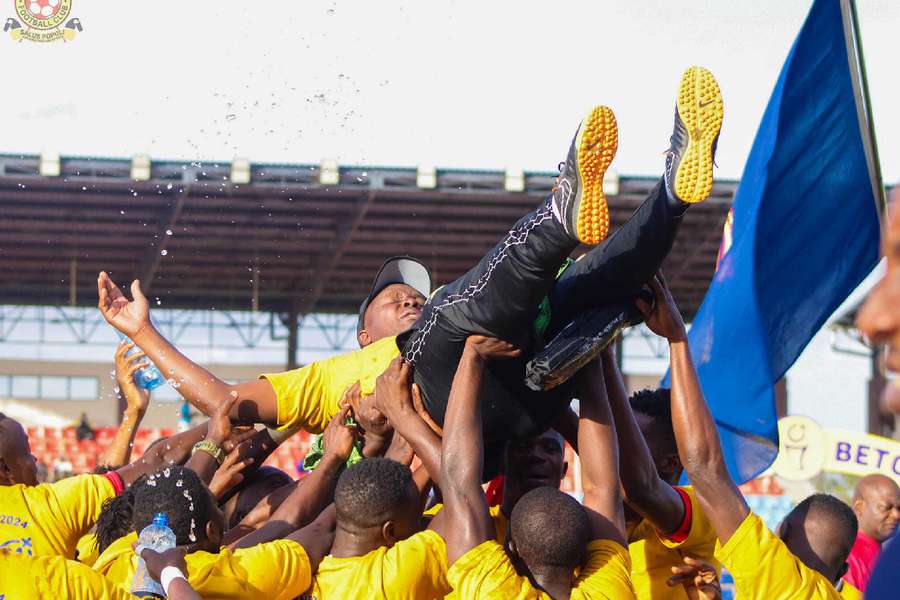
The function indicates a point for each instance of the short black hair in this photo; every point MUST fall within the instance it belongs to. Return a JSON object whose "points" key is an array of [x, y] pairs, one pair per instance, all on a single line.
{"points": [[654, 403], [371, 492], [840, 518], [174, 490], [550, 528]]}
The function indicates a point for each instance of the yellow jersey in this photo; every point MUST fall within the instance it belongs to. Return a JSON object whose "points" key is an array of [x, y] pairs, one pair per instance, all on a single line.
{"points": [[23, 578], [309, 396], [764, 568], [278, 570], [501, 522], [848, 592], [486, 572], [49, 519], [413, 569], [653, 555]]}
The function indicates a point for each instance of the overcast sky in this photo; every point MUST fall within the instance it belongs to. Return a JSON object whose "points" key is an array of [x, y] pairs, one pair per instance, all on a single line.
{"points": [[469, 84]]}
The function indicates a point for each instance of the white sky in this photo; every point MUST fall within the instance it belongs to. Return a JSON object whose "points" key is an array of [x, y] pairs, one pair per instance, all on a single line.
{"points": [[451, 84]]}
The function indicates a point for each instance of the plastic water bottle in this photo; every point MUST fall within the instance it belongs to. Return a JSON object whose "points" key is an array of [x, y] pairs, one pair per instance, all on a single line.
{"points": [[148, 377], [156, 536]]}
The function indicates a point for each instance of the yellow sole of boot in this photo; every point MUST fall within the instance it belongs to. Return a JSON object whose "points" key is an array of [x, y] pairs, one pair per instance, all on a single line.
{"points": [[597, 142], [701, 109]]}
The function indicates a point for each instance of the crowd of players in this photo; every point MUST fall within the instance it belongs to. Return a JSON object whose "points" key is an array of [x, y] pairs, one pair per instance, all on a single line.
{"points": [[439, 384]]}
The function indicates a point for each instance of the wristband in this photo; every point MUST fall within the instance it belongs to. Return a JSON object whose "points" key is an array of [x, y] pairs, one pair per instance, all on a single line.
{"points": [[168, 575], [210, 448]]}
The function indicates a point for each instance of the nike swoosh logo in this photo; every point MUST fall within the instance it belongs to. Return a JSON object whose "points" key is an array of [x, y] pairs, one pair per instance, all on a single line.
{"points": [[705, 104]]}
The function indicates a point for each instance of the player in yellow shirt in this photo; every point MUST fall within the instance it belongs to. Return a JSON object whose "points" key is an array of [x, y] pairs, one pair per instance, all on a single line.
{"points": [[550, 533], [279, 569], [49, 519], [808, 557], [664, 521]]}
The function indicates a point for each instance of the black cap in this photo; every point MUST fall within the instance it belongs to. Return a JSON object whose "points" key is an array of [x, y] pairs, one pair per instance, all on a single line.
{"points": [[396, 269]]}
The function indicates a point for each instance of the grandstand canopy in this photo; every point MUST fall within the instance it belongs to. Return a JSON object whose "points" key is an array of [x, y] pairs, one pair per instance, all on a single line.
{"points": [[196, 240]]}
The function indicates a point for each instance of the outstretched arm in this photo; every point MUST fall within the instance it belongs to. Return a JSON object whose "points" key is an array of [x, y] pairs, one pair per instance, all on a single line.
{"points": [[695, 431], [599, 454], [394, 398], [465, 521], [175, 450], [118, 453], [200, 387], [649, 495]]}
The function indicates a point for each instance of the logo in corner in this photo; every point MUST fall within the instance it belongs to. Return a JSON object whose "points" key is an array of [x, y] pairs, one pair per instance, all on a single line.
{"points": [[43, 21]]}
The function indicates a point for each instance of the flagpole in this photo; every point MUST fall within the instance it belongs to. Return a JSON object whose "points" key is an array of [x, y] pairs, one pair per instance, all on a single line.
{"points": [[860, 82]]}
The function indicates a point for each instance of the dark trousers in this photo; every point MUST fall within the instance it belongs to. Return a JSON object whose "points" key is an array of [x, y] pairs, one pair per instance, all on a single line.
{"points": [[500, 297]]}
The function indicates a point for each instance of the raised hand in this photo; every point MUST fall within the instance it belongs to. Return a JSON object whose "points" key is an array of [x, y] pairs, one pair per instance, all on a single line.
{"points": [[489, 348], [366, 413], [219, 422], [393, 394], [136, 398], [157, 561], [339, 437], [663, 317], [130, 317], [700, 579], [230, 472]]}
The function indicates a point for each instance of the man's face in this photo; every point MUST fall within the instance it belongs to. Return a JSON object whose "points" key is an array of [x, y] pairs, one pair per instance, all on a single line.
{"points": [[535, 462], [19, 464], [879, 511], [879, 317], [668, 465], [394, 310]]}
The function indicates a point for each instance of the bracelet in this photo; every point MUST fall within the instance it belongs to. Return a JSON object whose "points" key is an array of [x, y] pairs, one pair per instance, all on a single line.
{"points": [[210, 448], [168, 575]]}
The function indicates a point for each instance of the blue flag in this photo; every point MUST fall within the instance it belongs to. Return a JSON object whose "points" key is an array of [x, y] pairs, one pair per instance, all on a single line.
{"points": [[805, 234]]}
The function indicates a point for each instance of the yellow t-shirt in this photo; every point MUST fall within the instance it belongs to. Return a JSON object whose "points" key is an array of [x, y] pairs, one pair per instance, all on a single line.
{"points": [[23, 578], [278, 570], [415, 568], [653, 556], [49, 519], [501, 523], [486, 572], [309, 396], [764, 568], [86, 551]]}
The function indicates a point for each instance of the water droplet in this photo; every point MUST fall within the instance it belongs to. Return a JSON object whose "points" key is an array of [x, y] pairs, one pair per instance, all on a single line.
{"points": [[168, 186], [164, 252], [121, 212], [191, 536], [179, 483], [168, 232], [166, 472], [151, 482], [230, 117]]}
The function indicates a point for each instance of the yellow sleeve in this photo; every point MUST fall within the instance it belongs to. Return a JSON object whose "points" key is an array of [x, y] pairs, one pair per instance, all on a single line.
{"points": [[764, 568], [701, 539], [273, 570], [66, 510], [606, 573], [848, 592], [309, 396], [417, 567], [486, 572]]}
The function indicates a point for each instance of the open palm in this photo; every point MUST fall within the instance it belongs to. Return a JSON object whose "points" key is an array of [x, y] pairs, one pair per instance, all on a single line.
{"points": [[128, 316]]}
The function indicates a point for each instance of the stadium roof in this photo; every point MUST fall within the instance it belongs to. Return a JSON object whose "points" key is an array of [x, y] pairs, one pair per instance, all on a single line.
{"points": [[283, 241]]}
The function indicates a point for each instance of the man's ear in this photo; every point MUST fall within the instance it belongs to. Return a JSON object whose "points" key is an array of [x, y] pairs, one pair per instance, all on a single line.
{"points": [[363, 338], [6, 476], [389, 533], [213, 533], [565, 469]]}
